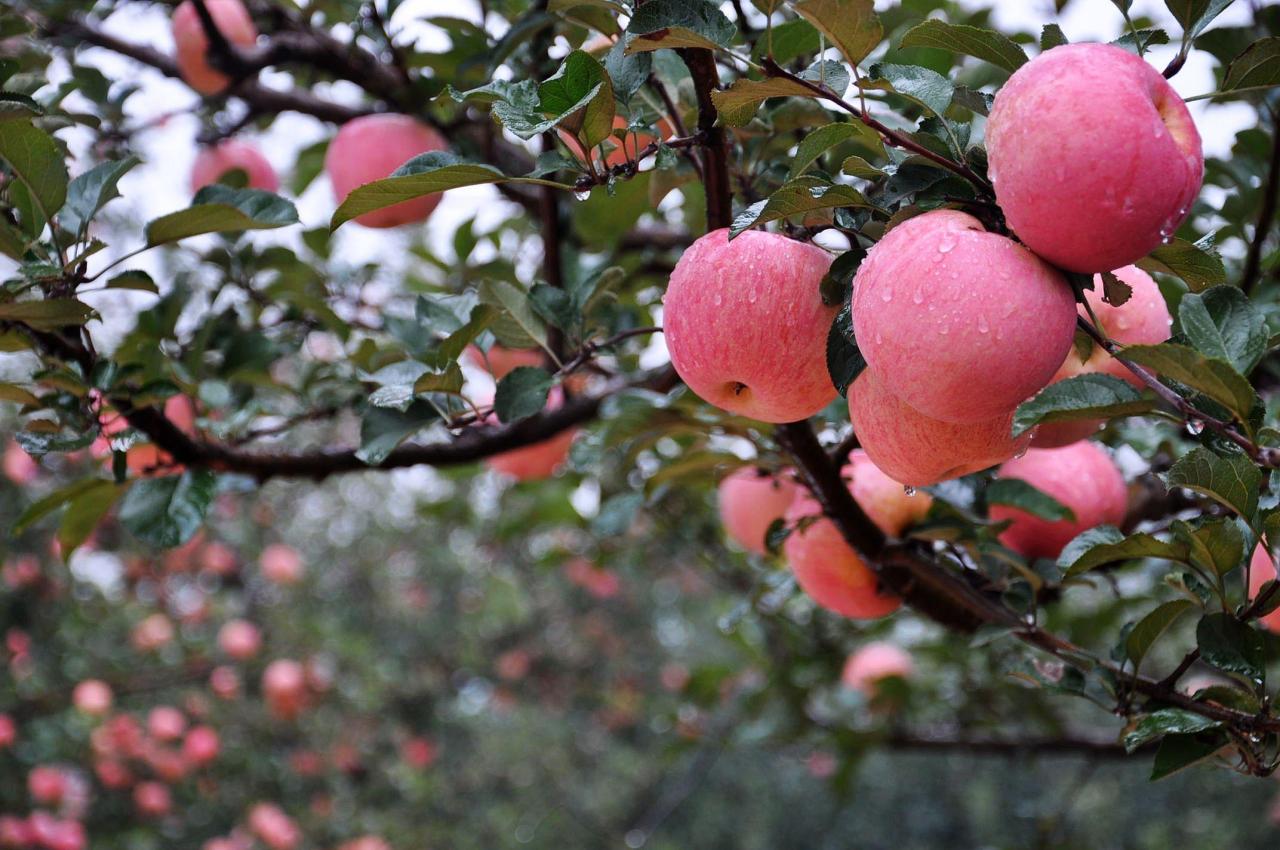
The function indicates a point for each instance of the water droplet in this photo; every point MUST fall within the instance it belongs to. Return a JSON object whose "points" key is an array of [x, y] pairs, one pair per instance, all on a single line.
{"points": [[946, 245], [918, 297], [886, 295], [1158, 132], [942, 329], [1022, 452], [1195, 427], [983, 327], [879, 339], [581, 194], [718, 299], [909, 490]]}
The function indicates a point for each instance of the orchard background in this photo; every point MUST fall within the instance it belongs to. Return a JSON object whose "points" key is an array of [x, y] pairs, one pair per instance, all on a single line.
{"points": [[286, 567]]}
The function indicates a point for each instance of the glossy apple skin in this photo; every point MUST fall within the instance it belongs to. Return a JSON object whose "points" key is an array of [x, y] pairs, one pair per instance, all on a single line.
{"points": [[1082, 477], [961, 324], [1262, 569], [213, 162], [1094, 157], [749, 501], [370, 148], [1142, 320], [746, 327], [916, 450], [884, 500], [192, 45], [878, 660], [827, 568]]}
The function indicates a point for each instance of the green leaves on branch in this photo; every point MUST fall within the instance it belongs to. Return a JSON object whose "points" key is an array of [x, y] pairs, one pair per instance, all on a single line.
{"points": [[1232, 481], [1231, 646], [521, 393], [1019, 494], [1091, 396], [844, 361], [1195, 262], [1215, 378], [920, 85], [1224, 324], [980, 43], [89, 192], [222, 209], [37, 163], [47, 315], [167, 512], [1257, 67], [1195, 15], [678, 23], [796, 198], [737, 105], [1166, 721], [580, 95], [851, 25], [1106, 544], [516, 325], [1148, 630], [826, 137]]}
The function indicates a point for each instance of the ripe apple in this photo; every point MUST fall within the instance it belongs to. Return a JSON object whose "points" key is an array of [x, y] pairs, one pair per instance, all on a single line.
{"points": [[152, 799], [19, 467], [46, 785], [201, 745], [281, 564], [230, 154], [239, 639], [284, 686], [750, 500], [192, 44], [961, 324], [56, 834], [916, 450], [1080, 476], [828, 569], [878, 660], [619, 151], [224, 682], [1262, 569], [370, 148], [1094, 157], [112, 774], [273, 827], [884, 500], [92, 697], [8, 731], [746, 327], [146, 458], [1142, 320], [166, 723], [419, 753], [152, 633]]}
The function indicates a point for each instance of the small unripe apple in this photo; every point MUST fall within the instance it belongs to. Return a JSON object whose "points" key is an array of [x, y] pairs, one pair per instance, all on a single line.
{"points": [[864, 669], [1262, 569], [201, 745], [828, 569], [750, 500], [884, 500], [192, 44], [1142, 320], [281, 564], [92, 697], [961, 324], [19, 467], [239, 639], [166, 723], [1081, 476], [228, 155], [746, 327], [370, 148], [917, 450], [1094, 157], [152, 799]]}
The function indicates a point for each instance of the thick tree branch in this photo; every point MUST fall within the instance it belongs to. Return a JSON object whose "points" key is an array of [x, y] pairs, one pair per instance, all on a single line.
{"points": [[715, 158]]}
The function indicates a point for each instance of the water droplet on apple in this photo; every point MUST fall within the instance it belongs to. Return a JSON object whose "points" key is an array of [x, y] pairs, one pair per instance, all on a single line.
{"points": [[983, 327], [886, 295], [1195, 427], [918, 297]]}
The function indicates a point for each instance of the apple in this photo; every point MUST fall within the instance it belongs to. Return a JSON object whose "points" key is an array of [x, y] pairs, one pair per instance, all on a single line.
{"points": [[19, 467], [370, 148], [224, 682], [419, 753], [1142, 320], [828, 569], [961, 324], [14, 832], [917, 450], [192, 44], [619, 151], [365, 842], [239, 639], [499, 361], [537, 461], [201, 745], [284, 687], [152, 633], [46, 785], [92, 697], [874, 662], [152, 799], [883, 499], [750, 500], [281, 564], [1094, 157], [145, 459], [746, 327], [112, 774], [56, 834], [1080, 476], [597, 581], [166, 723], [1262, 569], [8, 731], [273, 827], [228, 155]]}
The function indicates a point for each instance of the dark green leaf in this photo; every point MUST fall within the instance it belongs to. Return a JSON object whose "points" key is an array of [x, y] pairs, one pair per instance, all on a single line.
{"points": [[921, 85], [821, 140], [1090, 396], [47, 315], [167, 512], [85, 513], [678, 23], [1114, 290], [133, 279], [1195, 15], [984, 44], [1108, 545], [1231, 646], [1258, 65], [1215, 378], [90, 191], [1051, 36], [795, 198], [628, 72], [844, 360], [50, 503], [1233, 481], [1223, 323], [1149, 629], [1019, 494], [382, 429], [521, 393], [1166, 721], [1177, 752], [1200, 268], [580, 95], [38, 164], [221, 209]]}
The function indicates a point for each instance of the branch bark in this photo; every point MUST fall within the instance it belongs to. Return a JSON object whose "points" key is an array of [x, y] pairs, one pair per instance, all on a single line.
{"points": [[1266, 215]]}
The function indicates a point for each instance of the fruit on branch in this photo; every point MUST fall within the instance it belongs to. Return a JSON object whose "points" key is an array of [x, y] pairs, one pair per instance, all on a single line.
{"points": [[627, 149], [8, 731], [598, 581], [147, 458], [873, 663], [192, 45], [92, 697], [19, 467], [224, 682], [47, 785], [212, 162], [961, 324], [281, 564], [239, 639], [370, 148], [917, 450], [419, 753], [746, 327], [828, 569], [166, 723], [499, 360], [1094, 157], [56, 833], [1142, 320], [1082, 477], [273, 827], [284, 686], [152, 799], [201, 745], [749, 501], [152, 633], [883, 499], [540, 460], [1262, 569]]}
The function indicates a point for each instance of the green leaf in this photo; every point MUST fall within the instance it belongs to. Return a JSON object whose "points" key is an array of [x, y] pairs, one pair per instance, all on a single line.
{"points": [[516, 325], [1019, 494], [1223, 323], [737, 104], [920, 85], [1166, 721], [1231, 646], [1149, 629], [1215, 378], [521, 393], [14, 105], [984, 44], [38, 164], [167, 512], [844, 360], [1090, 396], [90, 191], [851, 25], [134, 279], [1051, 36], [1195, 15], [628, 73], [788, 41], [1198, 267], [85, 513], [678, 23], [1233, 481], [1177, 752], [823, 139], [580, 94], [1257, 66], [446, 380], [43, 507], [221, 209], [1106, 544], [16, 394], [1213, 545], [382, 429], [47, 315], [798, 197], [1114, 290]]}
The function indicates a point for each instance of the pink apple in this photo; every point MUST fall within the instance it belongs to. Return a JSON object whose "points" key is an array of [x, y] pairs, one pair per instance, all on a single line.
{"points": [[152, 799], [1080, 476], [961, 324], [228, 155], [8, 732], [19, 467], [284, 685], [1262, 569], [201, 745], [875, 661], [370, 148], [239, 639], [217, 559], [14, 832], [499, 361], [827, 568], [56, 834], [166, 723], [46, 785], [917, 450], [152, 633], [750, 500], [1142, 320], [419, 753], [746, 327], [365, 842], [281, 564], [540, 460], [883, 499], [92, 697], [192, 44], [1094, 157], [112, 774], [273, 827], [598, 581], [224, 682]]}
